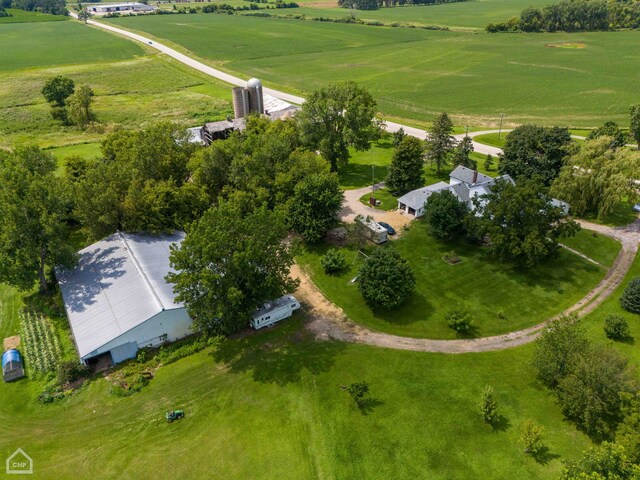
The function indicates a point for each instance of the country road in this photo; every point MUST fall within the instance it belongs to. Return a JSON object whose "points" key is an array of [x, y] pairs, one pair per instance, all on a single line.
{"points": [[287, 97]]}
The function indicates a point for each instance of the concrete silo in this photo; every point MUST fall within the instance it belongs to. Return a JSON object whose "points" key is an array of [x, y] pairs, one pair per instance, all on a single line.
{"points": [[256, 101], [240, 102]]}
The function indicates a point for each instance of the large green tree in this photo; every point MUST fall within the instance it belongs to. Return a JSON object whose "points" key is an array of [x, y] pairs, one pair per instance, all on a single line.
{"points": [[57, 89], [407, 165], [597, 177], [229, 264], [386, 279], [79, 106], [315, 203], [440, 142], [34, 206], [462, 152], [607, 461], [634, 123], [445, 214], [609, 129], [337, 117], [521, 222], [532, 150]]}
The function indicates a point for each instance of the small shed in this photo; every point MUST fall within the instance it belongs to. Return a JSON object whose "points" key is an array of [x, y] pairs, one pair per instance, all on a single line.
{"points": [[12, 367], [272, 312]]}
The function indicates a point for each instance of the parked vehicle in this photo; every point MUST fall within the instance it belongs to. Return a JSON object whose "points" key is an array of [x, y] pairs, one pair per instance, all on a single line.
{"points": [[389, 228], [174, 415], [274, 311], [636, 207], [373, 230]]}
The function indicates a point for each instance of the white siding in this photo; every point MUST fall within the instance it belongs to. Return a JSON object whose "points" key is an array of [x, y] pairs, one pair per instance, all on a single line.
{"points": [[174, 323]]}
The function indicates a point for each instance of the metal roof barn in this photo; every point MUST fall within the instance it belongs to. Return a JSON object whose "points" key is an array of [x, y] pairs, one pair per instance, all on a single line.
{"points": [[117, 298]]}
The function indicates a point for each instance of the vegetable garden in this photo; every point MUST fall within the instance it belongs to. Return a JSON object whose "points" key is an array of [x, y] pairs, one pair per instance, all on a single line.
{"points": [[40, 343]]}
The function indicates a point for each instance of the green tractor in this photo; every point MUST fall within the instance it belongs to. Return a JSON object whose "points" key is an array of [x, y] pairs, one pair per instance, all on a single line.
{"points": [[174, 415]]}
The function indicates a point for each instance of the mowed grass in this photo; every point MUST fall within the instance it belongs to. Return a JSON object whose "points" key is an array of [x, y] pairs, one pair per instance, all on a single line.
{"points": [[500, 297], [600, 248], [416, 74], [271, 406]]}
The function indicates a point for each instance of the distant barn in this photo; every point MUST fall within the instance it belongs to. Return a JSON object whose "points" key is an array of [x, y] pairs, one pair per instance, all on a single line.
{"points": [[117, 298]]}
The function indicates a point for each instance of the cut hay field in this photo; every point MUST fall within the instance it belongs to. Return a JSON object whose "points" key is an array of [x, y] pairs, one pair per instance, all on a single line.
{"points": [[415, 74], [133, 88]]}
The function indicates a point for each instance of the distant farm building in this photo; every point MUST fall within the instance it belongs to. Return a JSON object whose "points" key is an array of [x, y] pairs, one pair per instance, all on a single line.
{"points": [[246, 100], [117, 298], [125, 8]]}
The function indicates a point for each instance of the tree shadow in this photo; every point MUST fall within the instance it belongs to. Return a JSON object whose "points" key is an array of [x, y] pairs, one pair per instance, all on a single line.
{"points": [[368, 405], [500, 424], [277, 356], [627, 340], [543, 455]]}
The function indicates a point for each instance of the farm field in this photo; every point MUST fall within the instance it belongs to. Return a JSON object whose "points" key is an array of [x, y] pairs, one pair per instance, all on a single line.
{"points": [[23, 16], [500, 297], [132, 89], [415, 74]]}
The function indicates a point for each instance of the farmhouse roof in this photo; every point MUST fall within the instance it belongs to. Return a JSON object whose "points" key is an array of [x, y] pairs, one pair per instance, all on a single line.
{"points": [[469, 176], [417, 198], [118, 284]]}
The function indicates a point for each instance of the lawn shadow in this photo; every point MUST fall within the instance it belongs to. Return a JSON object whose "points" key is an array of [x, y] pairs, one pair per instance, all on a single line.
{"points": [[500, 424], [404, 315], [627, 340], [368, 405], [278, 355], [544, 455], [359, 175]]}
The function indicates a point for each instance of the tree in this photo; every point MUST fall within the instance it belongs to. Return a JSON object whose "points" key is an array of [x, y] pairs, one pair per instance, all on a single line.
{"points": [[628, 432], [34, 206], [358, 391], [333, 261], [556, 348], [487, 406], [386, 278], [461, 154], [616, 327], [630, 299], [79, 106], [596, 178], [532, 150], [336, 117], [57, 89], [405, 172], [609, 129], [531, 437], [634, 123], [84, 15], [314, 205], [229, 265], [488, 163], [521, 222], [445, 214], [607, 461], [398, 136], [439, 141], [590, 393]]}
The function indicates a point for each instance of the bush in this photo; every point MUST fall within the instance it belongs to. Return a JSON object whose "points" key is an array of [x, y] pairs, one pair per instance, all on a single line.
{"points": [[616, 327], [333, 261], [531, 437], [386, 279], [358, 391], [70, 371], [459, 320], [630, 299], [488, 407]]}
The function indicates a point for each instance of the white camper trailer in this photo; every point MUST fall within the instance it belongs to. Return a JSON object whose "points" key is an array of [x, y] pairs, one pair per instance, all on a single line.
{"points": [[272, 312], [374, 231]]}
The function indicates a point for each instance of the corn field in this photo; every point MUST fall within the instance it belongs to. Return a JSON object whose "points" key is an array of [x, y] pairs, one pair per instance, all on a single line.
{"points": [[40, 343]]}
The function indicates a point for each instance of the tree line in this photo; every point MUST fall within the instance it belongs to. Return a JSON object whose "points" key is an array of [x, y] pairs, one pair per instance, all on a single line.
{"points": [[376, 4], [53, 7], [574, 16]]}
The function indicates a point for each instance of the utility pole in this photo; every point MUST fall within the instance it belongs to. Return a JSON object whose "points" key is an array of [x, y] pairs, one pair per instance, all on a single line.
{"points": [[373, 179], [500, 129]]}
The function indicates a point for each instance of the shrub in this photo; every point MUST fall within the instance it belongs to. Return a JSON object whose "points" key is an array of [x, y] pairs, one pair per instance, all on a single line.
{"points": [[459, 320], [616, 327], [333, 261], [386, 279], [70, 371], [488, 407], [531, 437], [630, 299], [358, 391]]}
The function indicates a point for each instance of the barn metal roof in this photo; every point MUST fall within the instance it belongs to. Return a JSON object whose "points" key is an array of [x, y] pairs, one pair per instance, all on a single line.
{"points": [[118, 284]]}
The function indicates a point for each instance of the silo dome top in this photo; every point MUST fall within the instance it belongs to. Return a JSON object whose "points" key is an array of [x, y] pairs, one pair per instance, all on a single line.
{"points": [[254, 83]]}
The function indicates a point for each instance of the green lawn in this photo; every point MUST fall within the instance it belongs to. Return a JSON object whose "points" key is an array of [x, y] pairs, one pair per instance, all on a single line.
{"points": [[416, 74], [271, 406], [388, 201], [23, 16], [500, 297], [363, 167], [492, 139], [603, 250], [90, 151]]}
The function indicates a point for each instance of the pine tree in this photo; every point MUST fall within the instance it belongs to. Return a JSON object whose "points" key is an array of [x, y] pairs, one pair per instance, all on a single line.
{"points": [[440, 143]]}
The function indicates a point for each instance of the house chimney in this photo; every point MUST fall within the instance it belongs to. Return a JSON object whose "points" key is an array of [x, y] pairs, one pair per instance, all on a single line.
{"points": [[475, 176]]}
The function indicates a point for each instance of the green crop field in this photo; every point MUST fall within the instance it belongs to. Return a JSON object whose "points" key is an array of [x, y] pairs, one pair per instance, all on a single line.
{"points": [[506, 298], [23, 16], [415, 74]]}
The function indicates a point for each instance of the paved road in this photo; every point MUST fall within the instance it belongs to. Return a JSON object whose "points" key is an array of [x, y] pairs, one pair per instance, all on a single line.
{"points": [[233, 80]]}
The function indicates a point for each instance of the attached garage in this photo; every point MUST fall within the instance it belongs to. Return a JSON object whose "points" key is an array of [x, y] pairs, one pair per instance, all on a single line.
{"points": [[117, 298]]}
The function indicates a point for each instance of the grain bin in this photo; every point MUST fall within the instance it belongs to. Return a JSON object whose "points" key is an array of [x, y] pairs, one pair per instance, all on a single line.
{"points": [[240, 102]]}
